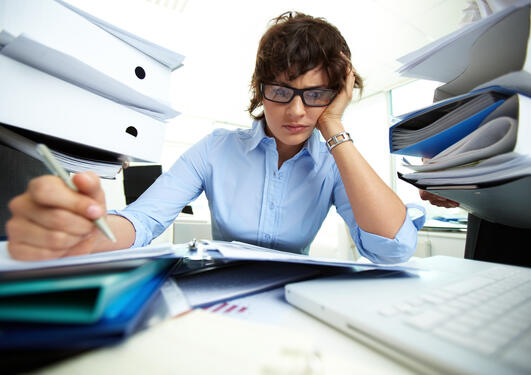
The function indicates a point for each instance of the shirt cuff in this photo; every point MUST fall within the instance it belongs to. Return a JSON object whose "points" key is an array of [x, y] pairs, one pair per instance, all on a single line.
{"points": [[140, 240], [399, 249]]}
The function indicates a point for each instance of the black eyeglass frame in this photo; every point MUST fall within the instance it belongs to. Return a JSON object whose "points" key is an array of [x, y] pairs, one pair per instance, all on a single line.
{"points": [[299, 92]]}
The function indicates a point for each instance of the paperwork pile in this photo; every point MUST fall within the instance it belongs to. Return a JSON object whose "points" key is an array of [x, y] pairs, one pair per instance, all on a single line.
{"points": [[476, 142], [73, 77]]}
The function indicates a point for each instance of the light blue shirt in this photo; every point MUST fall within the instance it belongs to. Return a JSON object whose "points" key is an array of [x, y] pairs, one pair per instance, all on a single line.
{"points": [[253, 201]]}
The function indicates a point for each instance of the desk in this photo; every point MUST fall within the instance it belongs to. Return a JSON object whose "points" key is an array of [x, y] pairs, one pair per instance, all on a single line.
{"points": [[241, 345]]}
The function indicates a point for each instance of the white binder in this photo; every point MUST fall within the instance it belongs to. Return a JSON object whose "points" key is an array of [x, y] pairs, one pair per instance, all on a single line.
{"points": [[36, 101], [65, 67], [54, 25]]}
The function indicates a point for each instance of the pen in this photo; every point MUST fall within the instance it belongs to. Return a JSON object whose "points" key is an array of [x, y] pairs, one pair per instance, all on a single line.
{"points": [[53, 165]]}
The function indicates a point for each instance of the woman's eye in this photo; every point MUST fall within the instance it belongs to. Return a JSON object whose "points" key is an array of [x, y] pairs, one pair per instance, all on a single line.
{"points": [[314, 94], [281, 91]]}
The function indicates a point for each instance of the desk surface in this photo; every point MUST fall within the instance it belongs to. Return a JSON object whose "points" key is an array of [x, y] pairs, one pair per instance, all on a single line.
{"points": [[257, 334]]}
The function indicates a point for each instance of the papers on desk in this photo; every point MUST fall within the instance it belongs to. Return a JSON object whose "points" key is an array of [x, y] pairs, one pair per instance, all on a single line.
{"points": [[201, 251], [204, 343]]}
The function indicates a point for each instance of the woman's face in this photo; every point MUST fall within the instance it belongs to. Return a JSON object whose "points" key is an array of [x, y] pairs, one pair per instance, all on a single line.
{"points": [[291, 124]]}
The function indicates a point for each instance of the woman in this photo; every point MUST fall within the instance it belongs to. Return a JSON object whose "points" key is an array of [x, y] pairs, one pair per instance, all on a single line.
{"points": [[271, 185]]}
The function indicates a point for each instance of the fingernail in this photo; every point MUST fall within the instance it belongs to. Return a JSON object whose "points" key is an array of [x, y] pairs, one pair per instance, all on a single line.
{"points": [[94, 211]]}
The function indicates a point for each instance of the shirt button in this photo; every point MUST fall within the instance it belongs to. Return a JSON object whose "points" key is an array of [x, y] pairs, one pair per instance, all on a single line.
{"points": [[274, 174], [267, 236], [271, 206]]}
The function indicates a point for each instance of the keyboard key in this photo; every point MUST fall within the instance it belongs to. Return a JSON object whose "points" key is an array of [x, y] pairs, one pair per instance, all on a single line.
{"points": [[468, 285], [431, 298], [466, 341], [426, 320]]}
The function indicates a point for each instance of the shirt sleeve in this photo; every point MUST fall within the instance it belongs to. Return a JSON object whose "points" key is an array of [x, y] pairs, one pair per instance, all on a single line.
{"points": [[160, 204], [376, 248]]}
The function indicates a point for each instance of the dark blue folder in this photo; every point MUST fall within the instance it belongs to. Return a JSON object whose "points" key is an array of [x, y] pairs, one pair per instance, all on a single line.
{"points": [[433, 145]]}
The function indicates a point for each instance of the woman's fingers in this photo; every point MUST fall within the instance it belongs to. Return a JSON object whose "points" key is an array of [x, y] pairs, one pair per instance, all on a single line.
{"points": [[50, 191], [437, 200], [50, 218], [21, 230]]}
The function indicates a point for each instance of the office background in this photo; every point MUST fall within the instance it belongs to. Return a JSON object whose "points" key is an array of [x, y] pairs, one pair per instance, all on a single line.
{"points": [[219, 40]]}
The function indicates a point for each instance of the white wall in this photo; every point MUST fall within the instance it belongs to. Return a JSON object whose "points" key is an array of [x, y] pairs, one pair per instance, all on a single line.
{"points": [[441, 243]]}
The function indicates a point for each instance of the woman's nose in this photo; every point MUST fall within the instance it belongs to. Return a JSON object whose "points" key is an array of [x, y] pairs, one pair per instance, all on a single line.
{"points": [[296, 107]]}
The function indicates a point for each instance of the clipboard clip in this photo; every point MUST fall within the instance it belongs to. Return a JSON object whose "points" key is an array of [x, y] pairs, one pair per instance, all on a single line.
{"points": [[198, 251]]}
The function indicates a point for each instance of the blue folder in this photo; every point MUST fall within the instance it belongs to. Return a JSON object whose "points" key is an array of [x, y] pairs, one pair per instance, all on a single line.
{"points": [[119, 320], [433, 145], [73, 298]]}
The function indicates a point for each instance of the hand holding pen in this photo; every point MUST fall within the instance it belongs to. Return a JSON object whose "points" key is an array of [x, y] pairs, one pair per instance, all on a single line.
{"points": [[52, 220], [53, 165]]}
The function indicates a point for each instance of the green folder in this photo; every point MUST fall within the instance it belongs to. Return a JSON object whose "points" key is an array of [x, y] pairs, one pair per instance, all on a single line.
{"points": [[72, 299]]}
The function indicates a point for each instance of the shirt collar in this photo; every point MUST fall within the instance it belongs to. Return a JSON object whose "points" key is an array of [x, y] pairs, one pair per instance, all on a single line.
{"points": [[257, 134]]}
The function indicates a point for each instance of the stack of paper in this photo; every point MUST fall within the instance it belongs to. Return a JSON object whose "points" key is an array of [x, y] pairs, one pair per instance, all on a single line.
{"points": [[76, 78], [499, 150], [469, 57], [476, 143], [462, 115], [496, 137]]}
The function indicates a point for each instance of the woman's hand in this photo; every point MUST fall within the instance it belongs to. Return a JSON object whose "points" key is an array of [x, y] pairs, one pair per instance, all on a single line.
{"points": [[329, 123], [437, 200], [51, 221]]}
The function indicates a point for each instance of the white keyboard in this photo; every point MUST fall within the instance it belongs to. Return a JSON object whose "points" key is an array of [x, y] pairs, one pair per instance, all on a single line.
{"points": [[489, 313]]}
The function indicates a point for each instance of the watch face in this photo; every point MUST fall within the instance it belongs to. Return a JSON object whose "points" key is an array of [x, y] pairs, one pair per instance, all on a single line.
{"points": [[338, 139]]}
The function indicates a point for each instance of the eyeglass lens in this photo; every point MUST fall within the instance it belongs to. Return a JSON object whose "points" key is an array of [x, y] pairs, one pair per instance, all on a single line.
{"points": [[311, 97]]}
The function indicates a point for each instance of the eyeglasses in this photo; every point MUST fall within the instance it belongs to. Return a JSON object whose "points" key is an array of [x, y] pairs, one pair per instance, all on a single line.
{"points": [[312, 97]]}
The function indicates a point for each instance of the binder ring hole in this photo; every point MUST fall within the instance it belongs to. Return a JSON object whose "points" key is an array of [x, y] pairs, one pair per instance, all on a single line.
{"points": [[131, 130], [140, 72]]}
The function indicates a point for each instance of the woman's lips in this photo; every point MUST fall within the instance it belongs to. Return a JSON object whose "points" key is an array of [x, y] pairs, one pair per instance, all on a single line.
{"points": [[295, 128]]}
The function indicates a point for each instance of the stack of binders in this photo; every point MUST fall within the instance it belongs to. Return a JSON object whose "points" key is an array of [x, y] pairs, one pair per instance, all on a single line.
{"points": [[49, 314], [96, 94], [476, 138]]}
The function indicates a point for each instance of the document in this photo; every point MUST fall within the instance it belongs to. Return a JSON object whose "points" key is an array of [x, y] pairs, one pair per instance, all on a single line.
{"points": [[201, 251], [502, 167], [8, 264], [431, 61], [409, 134], [496, 137], [430, 130]]}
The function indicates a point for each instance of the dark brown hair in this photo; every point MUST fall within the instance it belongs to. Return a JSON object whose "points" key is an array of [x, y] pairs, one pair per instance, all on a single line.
{"points": [[294, 44]]}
